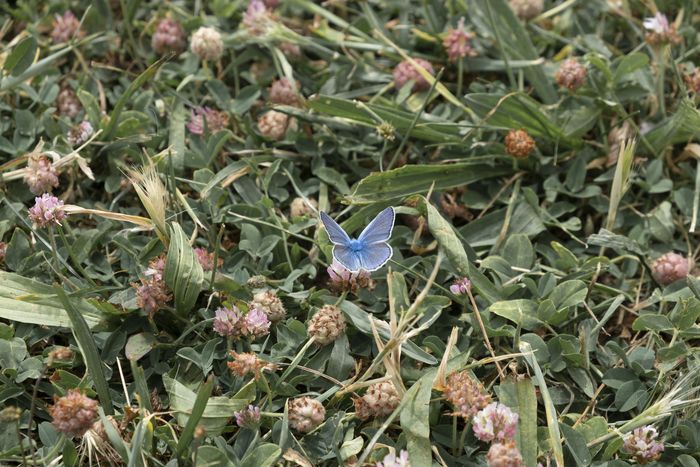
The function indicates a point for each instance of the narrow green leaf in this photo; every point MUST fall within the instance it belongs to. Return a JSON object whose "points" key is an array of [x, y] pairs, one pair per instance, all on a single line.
{"points": [[418, 179], [517, 111], [217, 411], [113, 435], [200, 404], [37, 68], [137, 444], [28, 301], [142, 79], [141, 386], [515, 42], [550, 410], [433, 130], [88, 349], [451, 245], [177, 136]]}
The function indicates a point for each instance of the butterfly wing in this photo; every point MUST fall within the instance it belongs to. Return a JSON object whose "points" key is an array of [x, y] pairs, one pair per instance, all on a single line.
{"points": [[374, 256], [349, 259], [335, 232], [379, 230]]}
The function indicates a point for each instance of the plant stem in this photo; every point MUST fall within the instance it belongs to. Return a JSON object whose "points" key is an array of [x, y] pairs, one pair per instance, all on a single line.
{"points": [[460, 72], [483, 332], [32, 406]]}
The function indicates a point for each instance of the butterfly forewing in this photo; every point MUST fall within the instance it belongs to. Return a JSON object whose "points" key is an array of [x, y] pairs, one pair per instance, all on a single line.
{"points": [[379, 230], [335, 232]]}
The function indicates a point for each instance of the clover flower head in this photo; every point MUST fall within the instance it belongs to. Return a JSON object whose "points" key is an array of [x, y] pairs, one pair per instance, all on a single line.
{"points": [[495, 422], [392, 460], [643, 444], [226, 321], [47, 211], [248, 417]]}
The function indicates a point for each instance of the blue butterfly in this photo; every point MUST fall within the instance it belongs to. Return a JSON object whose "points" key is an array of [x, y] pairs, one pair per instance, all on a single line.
{"points": [[370, 251]]}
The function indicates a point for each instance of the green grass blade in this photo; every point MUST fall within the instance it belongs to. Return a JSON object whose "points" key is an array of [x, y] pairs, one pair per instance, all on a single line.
{"points": [[88, 348], [200, 404], [514, 40], [140, 80], [550, 410]]}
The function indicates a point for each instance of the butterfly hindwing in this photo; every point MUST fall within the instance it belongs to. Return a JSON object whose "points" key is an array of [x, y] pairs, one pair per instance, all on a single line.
{"points": [[379, 230], [349, 259], [335, 232], [374, 256]]}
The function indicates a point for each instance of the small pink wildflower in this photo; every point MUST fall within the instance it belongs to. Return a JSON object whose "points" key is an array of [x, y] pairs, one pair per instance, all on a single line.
{"points": [[461, 286], [458, 42], [47, 211]]}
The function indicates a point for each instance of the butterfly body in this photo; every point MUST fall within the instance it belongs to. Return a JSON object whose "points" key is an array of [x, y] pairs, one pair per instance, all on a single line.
{"points": [[356, 245], [370, 251]]}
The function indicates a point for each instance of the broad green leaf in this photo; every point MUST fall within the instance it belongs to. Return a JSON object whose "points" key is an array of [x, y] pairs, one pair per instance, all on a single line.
{"points": [[518, 251], [265, 455], [608, 239], [485, 231], [652, 322], [415, 421], [628, 64], [360, 319], [521, 312], [520, 395], [139, 345], [576, 444], [21, 57], [183, 273], [419, 179], [680, 127], [12, 353], [217, 412], [569, 293]]}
